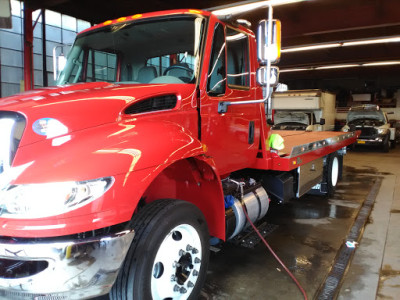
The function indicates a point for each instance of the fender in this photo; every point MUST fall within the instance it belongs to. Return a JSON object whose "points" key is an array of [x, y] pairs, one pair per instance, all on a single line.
{"points": [[194, 180], [137, 153]]}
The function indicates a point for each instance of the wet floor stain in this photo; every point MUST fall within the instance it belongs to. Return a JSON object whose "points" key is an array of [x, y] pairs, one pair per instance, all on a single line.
{"points": [[385, 274]]}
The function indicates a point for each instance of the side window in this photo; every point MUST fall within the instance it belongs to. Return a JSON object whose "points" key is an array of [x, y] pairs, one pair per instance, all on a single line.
{"points": [[216, 71], [238, 58]]}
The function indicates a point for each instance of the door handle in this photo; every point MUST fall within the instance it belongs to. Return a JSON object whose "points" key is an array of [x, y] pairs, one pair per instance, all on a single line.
{"points": [[251, 132]]}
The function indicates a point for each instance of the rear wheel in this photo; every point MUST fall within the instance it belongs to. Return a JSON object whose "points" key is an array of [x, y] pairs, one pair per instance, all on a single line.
{"points": [[169, 256], [332, 173]]}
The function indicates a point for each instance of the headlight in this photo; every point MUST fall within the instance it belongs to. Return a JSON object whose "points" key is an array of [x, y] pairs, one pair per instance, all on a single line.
{"points": [[345, 128], [382, 130], [31, 201]]}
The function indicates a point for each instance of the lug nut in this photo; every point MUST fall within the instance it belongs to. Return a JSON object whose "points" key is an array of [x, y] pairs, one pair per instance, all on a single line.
{"points": [[176, 264], [182, 290], [190, 284], [176, 288], [195, 251], [197, 260], [189, 248], [173, 278], [195, 273], [181, 252]]}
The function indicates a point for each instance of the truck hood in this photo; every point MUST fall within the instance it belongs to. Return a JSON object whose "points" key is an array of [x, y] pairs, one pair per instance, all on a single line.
{"points": [[80, 106]]}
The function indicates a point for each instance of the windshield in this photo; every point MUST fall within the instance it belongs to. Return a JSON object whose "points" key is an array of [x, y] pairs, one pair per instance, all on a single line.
{"points": [[300, 118], [154, 51], [288, 120], [365, 117]]}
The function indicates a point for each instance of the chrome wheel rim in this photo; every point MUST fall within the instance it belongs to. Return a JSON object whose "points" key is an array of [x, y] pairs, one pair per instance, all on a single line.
{"points": [[335, 171], [177, 264]]}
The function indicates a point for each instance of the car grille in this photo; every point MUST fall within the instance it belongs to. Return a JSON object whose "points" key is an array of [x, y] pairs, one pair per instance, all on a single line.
{"points": [[12, 126], [367, 132]]}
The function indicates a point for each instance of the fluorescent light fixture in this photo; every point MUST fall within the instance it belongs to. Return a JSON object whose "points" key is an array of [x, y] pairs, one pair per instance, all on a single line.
{"points": [[238, 9], [294, 70], [382, 63], [342, 66], [395, 39], [337, 66], [311, 47]]}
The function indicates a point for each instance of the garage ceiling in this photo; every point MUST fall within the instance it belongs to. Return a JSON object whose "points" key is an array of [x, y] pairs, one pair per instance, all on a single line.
{"points": [[304, 23]]}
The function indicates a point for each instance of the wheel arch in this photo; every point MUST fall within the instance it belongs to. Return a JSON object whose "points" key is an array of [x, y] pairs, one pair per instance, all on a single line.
{"points": [[194, 180]]}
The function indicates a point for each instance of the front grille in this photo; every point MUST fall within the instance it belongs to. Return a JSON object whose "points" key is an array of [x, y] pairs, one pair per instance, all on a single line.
{"points": [[367, 132], [12, 126]]}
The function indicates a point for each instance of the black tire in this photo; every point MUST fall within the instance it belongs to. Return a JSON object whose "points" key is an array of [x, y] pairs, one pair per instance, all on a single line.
{"points": [[393, 144], [386, 144], [332, 172], [157, 224]]}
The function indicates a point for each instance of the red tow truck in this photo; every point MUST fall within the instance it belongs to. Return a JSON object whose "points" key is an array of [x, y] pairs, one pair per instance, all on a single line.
{"points": [[154, 140]]}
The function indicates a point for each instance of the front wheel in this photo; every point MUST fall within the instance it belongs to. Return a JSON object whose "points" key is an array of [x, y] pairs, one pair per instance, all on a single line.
{"points": [[169, 255], [386, 144]]}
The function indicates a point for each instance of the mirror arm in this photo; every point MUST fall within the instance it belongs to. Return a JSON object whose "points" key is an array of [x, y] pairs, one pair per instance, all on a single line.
{"points": [[223, 105]]}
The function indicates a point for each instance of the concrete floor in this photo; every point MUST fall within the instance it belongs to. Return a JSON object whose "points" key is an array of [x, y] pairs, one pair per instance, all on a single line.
{"points": [[375, 270], [310, 232]]}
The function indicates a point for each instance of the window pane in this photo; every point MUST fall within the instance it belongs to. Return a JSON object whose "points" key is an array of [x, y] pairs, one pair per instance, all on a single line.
{"points": [[68, 22], [216, 71], [238, 58]]}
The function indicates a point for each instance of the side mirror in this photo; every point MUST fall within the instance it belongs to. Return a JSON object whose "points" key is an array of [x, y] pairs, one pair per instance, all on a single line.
{"points": [[322, 121], [269, 43], [59, 61], [263, 78]]}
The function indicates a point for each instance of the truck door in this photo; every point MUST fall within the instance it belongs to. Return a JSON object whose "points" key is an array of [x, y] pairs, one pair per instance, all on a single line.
{"points": [[231, 138]]}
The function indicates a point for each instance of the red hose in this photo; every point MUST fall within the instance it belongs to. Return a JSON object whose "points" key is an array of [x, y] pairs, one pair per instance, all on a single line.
{"points": [[276, 256]]}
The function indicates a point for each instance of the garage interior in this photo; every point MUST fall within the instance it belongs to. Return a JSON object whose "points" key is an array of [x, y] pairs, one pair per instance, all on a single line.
{"points": [[349, 48]]}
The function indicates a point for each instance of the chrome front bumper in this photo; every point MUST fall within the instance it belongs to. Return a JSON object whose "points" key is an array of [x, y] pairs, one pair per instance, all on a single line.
{"points": [[369, 142], [74, 269]]}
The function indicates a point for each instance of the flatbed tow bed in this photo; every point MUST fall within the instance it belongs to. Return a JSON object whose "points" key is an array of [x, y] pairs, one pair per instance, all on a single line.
{"points": [[302, 147]]}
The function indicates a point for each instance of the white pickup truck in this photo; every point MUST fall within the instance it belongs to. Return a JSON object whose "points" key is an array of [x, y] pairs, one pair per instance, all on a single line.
{"points": [[374, 125]]}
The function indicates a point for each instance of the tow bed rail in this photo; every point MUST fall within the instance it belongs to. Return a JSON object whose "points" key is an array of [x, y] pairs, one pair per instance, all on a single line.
{"points": [[302, 147]]}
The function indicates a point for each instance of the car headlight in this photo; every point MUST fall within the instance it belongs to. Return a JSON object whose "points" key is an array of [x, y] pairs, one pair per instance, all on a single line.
{"points": [[382, 130], [31, 201]]}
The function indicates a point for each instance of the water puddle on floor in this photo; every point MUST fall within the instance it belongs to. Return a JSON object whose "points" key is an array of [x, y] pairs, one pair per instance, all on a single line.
{"points": [[310, 232]]}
